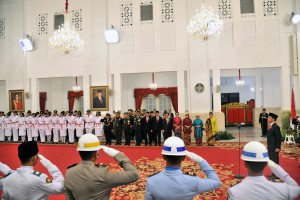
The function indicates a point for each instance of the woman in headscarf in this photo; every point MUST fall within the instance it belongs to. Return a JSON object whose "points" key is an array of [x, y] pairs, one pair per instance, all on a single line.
{"points": [[187, 129], [177, 125], [198, 124], [211, 129]]}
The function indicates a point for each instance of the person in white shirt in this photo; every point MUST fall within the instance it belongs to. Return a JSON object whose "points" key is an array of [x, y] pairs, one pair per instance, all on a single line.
{"points": [[62, 127], [255, 185], [22, 127], [27, 183], [15, 125], [48, 127], [55, 126], [28, 120], [79, 125], [71, 126], [8, 132], [41, 121], [89, 122], [98, 125], [2, 126], [35, 126]]}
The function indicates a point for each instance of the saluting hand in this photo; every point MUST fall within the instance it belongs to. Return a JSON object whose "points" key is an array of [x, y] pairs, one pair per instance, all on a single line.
{"points": [[193, 156], [110, 151], [45, 162]]}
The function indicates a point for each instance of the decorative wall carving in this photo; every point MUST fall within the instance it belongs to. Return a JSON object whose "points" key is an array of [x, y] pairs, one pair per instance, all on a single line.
{"points": [[167, 11], [225, 11], [126, 14], [2, 28], [42, 24], [77, 19], [270, 8]]}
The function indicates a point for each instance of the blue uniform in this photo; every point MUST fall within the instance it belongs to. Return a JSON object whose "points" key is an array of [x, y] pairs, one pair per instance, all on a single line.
{"points": [[173, 184]]}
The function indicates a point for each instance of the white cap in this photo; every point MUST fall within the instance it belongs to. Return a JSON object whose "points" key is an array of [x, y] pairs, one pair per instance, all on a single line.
{"points": [[255, 152], [174, 146], [88, 142]]}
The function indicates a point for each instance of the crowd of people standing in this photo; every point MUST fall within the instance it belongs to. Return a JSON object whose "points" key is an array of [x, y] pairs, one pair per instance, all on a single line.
{"points": [[147, 127]]}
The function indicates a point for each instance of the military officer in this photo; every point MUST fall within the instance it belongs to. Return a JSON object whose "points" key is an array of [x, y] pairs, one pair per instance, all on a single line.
{"points": [[172, 183], [98, 180], [126, 126], [117, 127], [137, 127], [26, 183], [255, 185]]}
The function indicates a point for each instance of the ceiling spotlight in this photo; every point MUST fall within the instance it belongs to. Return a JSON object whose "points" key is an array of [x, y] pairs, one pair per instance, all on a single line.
{"points": [[111, 35], [295, 18]]}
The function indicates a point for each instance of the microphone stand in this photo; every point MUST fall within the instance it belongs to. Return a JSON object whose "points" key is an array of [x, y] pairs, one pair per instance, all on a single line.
{"points": [[239, 176]]}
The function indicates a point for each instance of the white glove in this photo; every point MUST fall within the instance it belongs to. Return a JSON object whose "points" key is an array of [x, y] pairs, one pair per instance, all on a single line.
{"points": [[194, 157], [4, 169], [272, 165], [45, 162], [110, 151]]}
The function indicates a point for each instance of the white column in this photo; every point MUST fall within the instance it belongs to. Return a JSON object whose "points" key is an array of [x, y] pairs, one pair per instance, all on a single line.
{"points": [[285, 88], [181, 91], [86, 89], [35, 100], [118, 91], [216, 90], [258, 92]]}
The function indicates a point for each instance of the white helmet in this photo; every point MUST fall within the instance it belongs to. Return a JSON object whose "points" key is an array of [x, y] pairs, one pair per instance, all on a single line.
{"points": [[174, 146], [88, 142], [255, 152]]}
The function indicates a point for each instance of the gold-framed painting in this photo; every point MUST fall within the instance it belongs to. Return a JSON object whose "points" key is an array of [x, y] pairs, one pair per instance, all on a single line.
{"points": [[99, 98], [16, 100]]}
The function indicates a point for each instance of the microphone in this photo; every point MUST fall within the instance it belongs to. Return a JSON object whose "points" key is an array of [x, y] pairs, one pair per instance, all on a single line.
{"points": [[241, 124]]}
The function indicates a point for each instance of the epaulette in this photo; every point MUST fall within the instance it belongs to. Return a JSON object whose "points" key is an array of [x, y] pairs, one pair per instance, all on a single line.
{"points": [[190, 173], [1, 177], [100, 165], [237, 182], [72, 166], [36, 173], [154, 174]]}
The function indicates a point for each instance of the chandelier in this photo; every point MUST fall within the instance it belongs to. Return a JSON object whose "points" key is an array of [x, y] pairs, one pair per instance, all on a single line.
{"points": [[205, 24], [66, 40], [76, 88], [153, 86], [240, 82]]}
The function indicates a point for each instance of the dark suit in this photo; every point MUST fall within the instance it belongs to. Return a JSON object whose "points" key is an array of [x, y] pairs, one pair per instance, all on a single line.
{"points": [[108, 126], [156, 130], [263, 120], [98, 104], [147, 127], [274, 142], [167, 127]]}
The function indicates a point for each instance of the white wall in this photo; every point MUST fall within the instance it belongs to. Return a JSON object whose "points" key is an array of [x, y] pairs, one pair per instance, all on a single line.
{"points": [[3, 97]]}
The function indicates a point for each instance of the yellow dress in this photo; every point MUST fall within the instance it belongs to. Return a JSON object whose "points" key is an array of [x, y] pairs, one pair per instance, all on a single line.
{"points": [[211, 129]]}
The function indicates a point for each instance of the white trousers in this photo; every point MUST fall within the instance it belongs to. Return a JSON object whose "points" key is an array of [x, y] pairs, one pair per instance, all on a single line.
{"points": [[55, 135], [89, 130], [71, 135], [29, 134], [1, 135], [15, 134], [42, 135]]}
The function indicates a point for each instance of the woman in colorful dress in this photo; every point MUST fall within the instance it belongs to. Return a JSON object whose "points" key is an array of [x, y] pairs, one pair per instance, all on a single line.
{"points": [[177, 125], [211, 129], [98, 125], [22, 127], [198, 124], [187, 129]]}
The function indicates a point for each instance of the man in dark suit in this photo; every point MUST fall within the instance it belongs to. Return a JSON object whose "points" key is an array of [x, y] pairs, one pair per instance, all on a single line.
{"points": [[167, 126], [156, 130], [263, 120], [147, 127], [99, 100], [273, 140]]}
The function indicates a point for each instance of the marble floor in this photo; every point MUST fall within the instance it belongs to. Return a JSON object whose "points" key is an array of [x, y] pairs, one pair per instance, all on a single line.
{"points": [[247, 134]]}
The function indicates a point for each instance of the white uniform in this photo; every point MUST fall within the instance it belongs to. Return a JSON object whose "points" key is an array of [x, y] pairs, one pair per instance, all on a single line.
{"points": [[41, 120], [98, 126], [79, 125], [89, 123], [55, 127], [71, 128], [2, 128], [25, 183], [258, 187], [15, 126], [48, 128], [8, 128], [35, 128], [28, 120], [63, 126], [22, 128]]}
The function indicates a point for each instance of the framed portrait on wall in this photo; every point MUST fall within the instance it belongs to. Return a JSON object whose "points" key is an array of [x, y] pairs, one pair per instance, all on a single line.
{"points": [[99, 98], [16, 100]]}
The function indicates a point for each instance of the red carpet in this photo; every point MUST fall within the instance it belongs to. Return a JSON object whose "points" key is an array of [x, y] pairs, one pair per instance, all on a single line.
{"points": [[223, 158]]}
